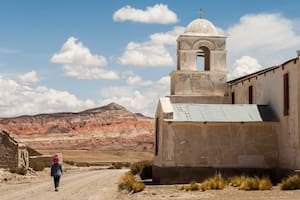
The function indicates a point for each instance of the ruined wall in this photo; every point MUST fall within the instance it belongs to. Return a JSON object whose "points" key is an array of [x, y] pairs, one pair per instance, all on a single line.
{"points": [[12, 154], [268, 89]]}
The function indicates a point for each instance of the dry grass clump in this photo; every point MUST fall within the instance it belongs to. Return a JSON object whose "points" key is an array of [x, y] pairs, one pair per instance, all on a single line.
{"points": [[290, 183], [128, 182], [142, 168], [235, 181], [214, 183], [265, 184], [255, 183], [193, 186]]}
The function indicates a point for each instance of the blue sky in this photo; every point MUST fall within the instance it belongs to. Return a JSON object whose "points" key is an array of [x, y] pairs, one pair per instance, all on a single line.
{"points": [[71, 55]]}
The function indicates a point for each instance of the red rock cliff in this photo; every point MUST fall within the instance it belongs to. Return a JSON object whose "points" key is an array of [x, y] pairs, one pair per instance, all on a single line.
{"points": [[110, 127]]}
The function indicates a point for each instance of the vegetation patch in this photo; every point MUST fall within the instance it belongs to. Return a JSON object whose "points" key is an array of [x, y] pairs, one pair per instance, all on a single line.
{"points": [[290, 183], [142, 168], [255, 183], [215, 183], [120, 165], [128, 182], [193, 186]]}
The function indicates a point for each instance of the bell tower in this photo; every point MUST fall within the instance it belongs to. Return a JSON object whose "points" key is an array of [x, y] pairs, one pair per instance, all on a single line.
{"points": [[201, 62]]}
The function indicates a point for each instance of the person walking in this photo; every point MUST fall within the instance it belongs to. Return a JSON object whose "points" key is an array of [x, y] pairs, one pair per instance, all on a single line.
{"points": [[56, 171]]}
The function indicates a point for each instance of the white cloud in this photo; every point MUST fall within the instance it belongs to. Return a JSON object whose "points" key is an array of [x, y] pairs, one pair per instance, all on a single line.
{"points": [[143, 101], [17, 99], [147, 54], [78, 61], [30, 77], [270, 38], [138, 81], [159, 14], [169, 37], [152, 53], [89, 72], [243, 66]]}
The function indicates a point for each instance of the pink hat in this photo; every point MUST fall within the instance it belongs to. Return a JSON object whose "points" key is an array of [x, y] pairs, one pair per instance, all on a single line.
{"points": [[55, 159]]}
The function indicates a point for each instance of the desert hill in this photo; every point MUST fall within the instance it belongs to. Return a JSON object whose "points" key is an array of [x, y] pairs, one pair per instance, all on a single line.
{"points": [[110, 127]]}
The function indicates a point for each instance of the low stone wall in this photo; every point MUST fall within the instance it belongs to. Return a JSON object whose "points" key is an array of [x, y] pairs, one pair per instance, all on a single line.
{"points": [[46, 159]]}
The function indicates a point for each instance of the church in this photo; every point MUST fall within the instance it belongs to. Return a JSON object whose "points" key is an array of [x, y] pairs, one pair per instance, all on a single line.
{"points": [[208, 125]]}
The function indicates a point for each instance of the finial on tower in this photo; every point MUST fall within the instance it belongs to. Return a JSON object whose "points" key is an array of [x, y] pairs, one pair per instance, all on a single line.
{"points": [[201, 13]]}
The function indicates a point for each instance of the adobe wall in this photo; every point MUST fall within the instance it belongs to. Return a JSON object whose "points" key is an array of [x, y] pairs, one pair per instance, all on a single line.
{"points": [[202, 147], [12, 154], [268, 89]]}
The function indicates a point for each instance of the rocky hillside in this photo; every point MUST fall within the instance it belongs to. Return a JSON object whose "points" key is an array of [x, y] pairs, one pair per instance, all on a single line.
{"points": [[110, 127]]}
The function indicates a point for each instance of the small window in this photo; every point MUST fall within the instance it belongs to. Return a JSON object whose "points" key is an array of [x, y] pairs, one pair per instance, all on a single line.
{"points": [[286, 95], [250, 95], [156, 136], [232, 98]]}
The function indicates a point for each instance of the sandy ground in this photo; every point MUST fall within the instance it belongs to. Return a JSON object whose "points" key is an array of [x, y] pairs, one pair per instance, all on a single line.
{"points": [[86, 185], [102, 184]]}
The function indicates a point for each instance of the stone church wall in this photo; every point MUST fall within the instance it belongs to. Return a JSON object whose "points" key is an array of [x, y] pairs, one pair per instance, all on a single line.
{"points": [[268, 90], [235, 147]]}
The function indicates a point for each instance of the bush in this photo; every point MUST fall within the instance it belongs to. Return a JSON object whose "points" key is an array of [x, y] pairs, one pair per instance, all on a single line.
{"points": [[214, 183], [236, 181], [193, 186], [290, 183], [265, 184], [120, 165], [250, 183], [82, 164], [37, 165], [129, 183], [142, 168], [19, 170], [69, 162]]}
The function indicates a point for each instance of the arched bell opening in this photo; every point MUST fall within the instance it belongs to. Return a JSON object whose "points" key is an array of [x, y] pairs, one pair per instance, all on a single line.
{"points": [[203, 59]]}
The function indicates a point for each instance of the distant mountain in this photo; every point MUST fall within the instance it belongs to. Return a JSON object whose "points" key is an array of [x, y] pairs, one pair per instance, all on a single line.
{"points": [[110, 127]]}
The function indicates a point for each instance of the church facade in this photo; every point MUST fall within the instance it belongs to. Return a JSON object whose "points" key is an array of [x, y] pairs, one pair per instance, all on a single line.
{"points": [[208, 125]]}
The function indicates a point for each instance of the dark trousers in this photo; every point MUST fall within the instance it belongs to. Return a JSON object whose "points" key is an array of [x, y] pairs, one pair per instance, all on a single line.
{"points": [[56, 181]]}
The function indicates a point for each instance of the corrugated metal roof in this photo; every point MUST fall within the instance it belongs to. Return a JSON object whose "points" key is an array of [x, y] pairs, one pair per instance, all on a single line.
{"points": [[217, 112]]}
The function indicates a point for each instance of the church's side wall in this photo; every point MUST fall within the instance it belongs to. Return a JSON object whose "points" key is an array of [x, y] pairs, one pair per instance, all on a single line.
{"points": [[268, 88], [228, 147]]}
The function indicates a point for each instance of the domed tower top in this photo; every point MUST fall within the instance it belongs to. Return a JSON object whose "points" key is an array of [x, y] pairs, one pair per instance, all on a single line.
{"points": [[201, 27]]}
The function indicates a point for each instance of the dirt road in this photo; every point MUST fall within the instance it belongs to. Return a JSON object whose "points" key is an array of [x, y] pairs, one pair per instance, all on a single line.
{"points": [[89, 185]]}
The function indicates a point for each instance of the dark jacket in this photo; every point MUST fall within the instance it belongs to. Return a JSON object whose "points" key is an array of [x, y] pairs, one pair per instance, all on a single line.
{"points": [[56, 169]]}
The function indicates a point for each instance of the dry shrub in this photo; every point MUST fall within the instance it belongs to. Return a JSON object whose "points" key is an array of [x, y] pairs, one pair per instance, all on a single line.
{"points": [[290, 183], [265, 184], [250, 183], [214, 183], [138, 187], [120, 165], [128, 182], [193, 186], [142, 168], [236, 181]]}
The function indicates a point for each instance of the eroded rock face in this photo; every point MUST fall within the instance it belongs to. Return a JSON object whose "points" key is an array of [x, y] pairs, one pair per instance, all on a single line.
{"points": [[110, 127]]}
